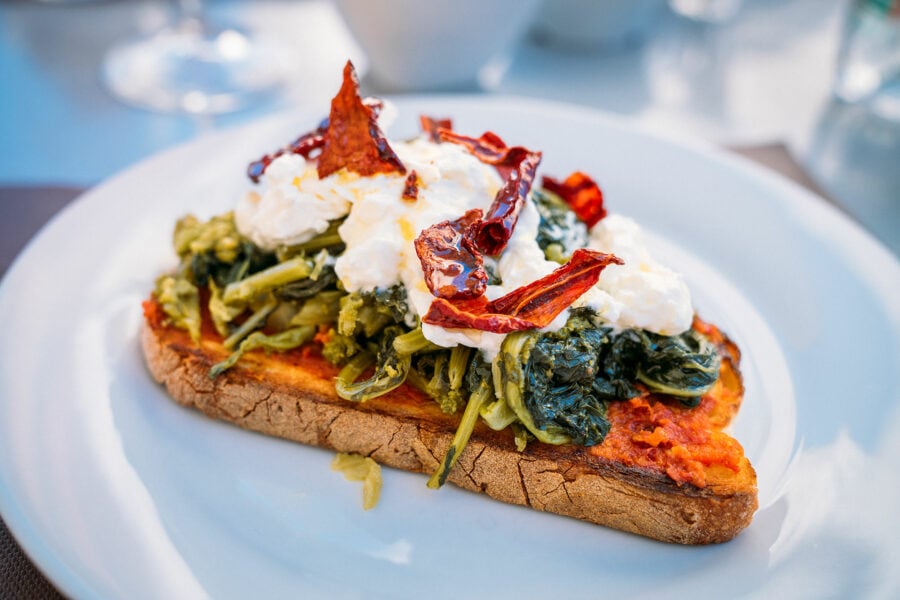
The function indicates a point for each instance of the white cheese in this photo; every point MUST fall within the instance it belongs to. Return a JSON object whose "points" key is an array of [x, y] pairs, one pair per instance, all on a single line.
{"points": [[642, 293], [523, 260], [295, 206]]}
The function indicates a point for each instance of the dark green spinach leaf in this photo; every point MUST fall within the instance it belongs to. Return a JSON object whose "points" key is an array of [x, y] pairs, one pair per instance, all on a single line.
{"points": [[559, 381], [309, 287], [391, 369], [560, 231], [248, 259], [686, 365], [571, 374]]}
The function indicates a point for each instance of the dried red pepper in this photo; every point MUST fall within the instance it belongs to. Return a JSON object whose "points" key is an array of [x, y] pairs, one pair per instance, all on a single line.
{"points": [[489, 149], [431, 126], [494, 231], [411, 187], [530, 306], [453, 266], [516, 166], [542, 300], [472, 314], [305, 146], [353, 139], [581, 193]]}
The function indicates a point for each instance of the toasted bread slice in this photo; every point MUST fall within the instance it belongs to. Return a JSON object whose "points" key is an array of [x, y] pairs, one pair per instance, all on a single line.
{"points": [[291, 395]]}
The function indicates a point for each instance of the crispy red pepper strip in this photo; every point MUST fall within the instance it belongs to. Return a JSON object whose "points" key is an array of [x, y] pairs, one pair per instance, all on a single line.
{"points": [[431, 126], [472, 315], [530, 306], [411, 187], [542, 300], [489, 149], [305, 145], [517, 166], [581, 193], [353, 139], [453, 267], [494, 231]]}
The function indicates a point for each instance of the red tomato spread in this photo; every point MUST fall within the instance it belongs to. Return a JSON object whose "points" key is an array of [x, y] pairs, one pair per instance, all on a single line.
{"points": [[661, 435]]}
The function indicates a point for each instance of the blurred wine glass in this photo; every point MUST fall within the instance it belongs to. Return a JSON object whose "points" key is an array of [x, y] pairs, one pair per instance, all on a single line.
{"points": [[868, 65], [195, 66], [691, 63]]}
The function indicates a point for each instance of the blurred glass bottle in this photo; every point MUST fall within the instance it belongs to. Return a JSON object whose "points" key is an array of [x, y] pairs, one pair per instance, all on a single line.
{"points": [[868, 67]]}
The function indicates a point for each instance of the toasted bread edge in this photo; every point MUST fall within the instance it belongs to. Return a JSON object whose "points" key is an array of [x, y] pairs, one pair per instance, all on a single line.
{"points": [[303, 407]]}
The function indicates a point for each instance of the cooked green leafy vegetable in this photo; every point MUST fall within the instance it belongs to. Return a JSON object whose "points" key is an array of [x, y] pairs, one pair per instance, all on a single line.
{"points": [[247, 259], [390, 371], [321, 309], [254, 321], [498, 415], [463, 432], [370, 312], [280, 342], [267, 280], [510, 380], [338, 348], [328, 240], [222, 314], [414, 341], [618, 368], [560, 231], [218, 236], [433, 375], [460, 359], [478, 381], [355, 366], [356, 467], [685, 365], [391, 301], [558, 382], [302, 289], [180, 300], [214, 250]]}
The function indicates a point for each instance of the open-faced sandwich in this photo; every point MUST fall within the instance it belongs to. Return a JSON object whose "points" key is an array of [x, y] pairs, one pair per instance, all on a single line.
{"points": [[429, 304]]}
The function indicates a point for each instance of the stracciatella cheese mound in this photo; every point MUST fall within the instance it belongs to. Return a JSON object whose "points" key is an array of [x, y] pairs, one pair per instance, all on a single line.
{"points": [[642, 293], [295, 205]]}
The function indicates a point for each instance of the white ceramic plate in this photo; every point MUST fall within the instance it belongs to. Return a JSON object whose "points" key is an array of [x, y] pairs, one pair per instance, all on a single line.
{"points": [[115, 491]]}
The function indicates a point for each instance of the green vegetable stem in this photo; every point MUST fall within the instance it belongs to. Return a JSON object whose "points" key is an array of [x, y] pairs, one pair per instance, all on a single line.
{"points": [[390, 371], [477, 400], [279, 342], [267, 280]]}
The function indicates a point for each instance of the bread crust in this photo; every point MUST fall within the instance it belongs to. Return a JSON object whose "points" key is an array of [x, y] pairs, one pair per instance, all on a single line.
{"points": [[292, 396]]}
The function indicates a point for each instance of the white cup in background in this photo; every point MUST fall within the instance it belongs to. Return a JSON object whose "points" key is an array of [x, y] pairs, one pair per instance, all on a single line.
{"points": [[429, 45]]}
